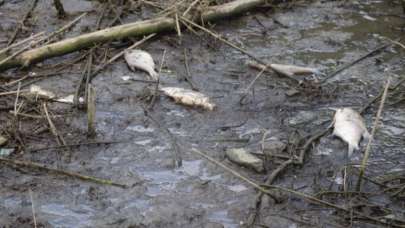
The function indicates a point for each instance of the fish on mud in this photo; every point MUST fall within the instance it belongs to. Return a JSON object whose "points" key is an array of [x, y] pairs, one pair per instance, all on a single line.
{"points": [[138, 59], [189, 97], [350, 127]]}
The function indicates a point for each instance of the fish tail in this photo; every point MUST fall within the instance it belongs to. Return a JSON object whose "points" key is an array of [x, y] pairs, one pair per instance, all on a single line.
{"points": [[153, 74], [350, 150]]}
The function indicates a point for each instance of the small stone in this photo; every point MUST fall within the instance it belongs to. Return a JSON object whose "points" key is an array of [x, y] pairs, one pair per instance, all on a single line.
{"points": [[273, 146], [242, 157]]}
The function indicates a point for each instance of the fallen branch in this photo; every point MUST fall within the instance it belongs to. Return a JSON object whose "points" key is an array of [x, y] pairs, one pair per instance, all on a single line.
{"points": [[23, 50], [140, 28]]}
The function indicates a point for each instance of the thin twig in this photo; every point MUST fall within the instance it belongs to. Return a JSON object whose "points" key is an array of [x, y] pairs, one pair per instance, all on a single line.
{"points": [[48, 37], [375, 125], [190, 7], [177, 158], [30, 38], [235, 173], [246, 91], [188, 74], [331, 205], [16, 100], [19, 27], [32, 207], [58, 137], [375, 98], [74, 145], [348, 65], [59, 171], [219, 37], [156, 91]]}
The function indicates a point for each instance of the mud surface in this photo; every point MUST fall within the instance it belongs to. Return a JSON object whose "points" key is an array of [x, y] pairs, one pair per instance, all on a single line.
{"points": [[321, 34]]}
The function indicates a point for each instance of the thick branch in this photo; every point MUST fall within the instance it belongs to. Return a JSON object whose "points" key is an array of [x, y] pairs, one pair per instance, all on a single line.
{"points": [[141, 28]]}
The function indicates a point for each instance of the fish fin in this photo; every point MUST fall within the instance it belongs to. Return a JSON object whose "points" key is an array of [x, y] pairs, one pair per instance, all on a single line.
{"points": [[366, 135]]}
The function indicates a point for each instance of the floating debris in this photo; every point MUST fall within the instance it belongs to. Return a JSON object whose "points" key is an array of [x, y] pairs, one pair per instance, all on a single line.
{"points": [[350, 127], [189, 97], [37, 92], [242, 157], [141, 60]]}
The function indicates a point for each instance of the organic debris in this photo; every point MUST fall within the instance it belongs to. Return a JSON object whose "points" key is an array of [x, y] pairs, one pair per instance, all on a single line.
{"points": [[291, 70], [241, 157], [189, 97], [350, 127], [287, 70], [3, 140], [37, 92], [69, 99], [141, 60]]}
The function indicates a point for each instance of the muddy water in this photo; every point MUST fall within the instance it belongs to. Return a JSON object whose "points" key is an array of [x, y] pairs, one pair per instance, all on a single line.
{"points": [[199, 194]]}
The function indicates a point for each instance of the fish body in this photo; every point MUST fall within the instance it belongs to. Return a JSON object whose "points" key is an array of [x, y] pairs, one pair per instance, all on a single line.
{"points": [[189, 97], [350, 127], [141, 60]]}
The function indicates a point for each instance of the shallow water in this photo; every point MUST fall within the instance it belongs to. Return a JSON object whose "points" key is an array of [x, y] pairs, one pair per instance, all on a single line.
{"points": [[322, 35]]}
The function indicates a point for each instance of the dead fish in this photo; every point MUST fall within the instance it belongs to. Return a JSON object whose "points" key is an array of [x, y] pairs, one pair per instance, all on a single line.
{"points": [[350, 127], [37, 92], [188, 97], [141, 60], [291, 70]]}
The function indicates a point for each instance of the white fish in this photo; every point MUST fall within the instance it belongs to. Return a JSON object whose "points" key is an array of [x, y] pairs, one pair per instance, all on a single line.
{"points": [[38, 92], [189, 97], [350, 127], [142, 60]]}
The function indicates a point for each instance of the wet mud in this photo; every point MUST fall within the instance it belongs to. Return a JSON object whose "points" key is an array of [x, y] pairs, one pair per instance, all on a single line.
{"points": [[320, 34]]}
